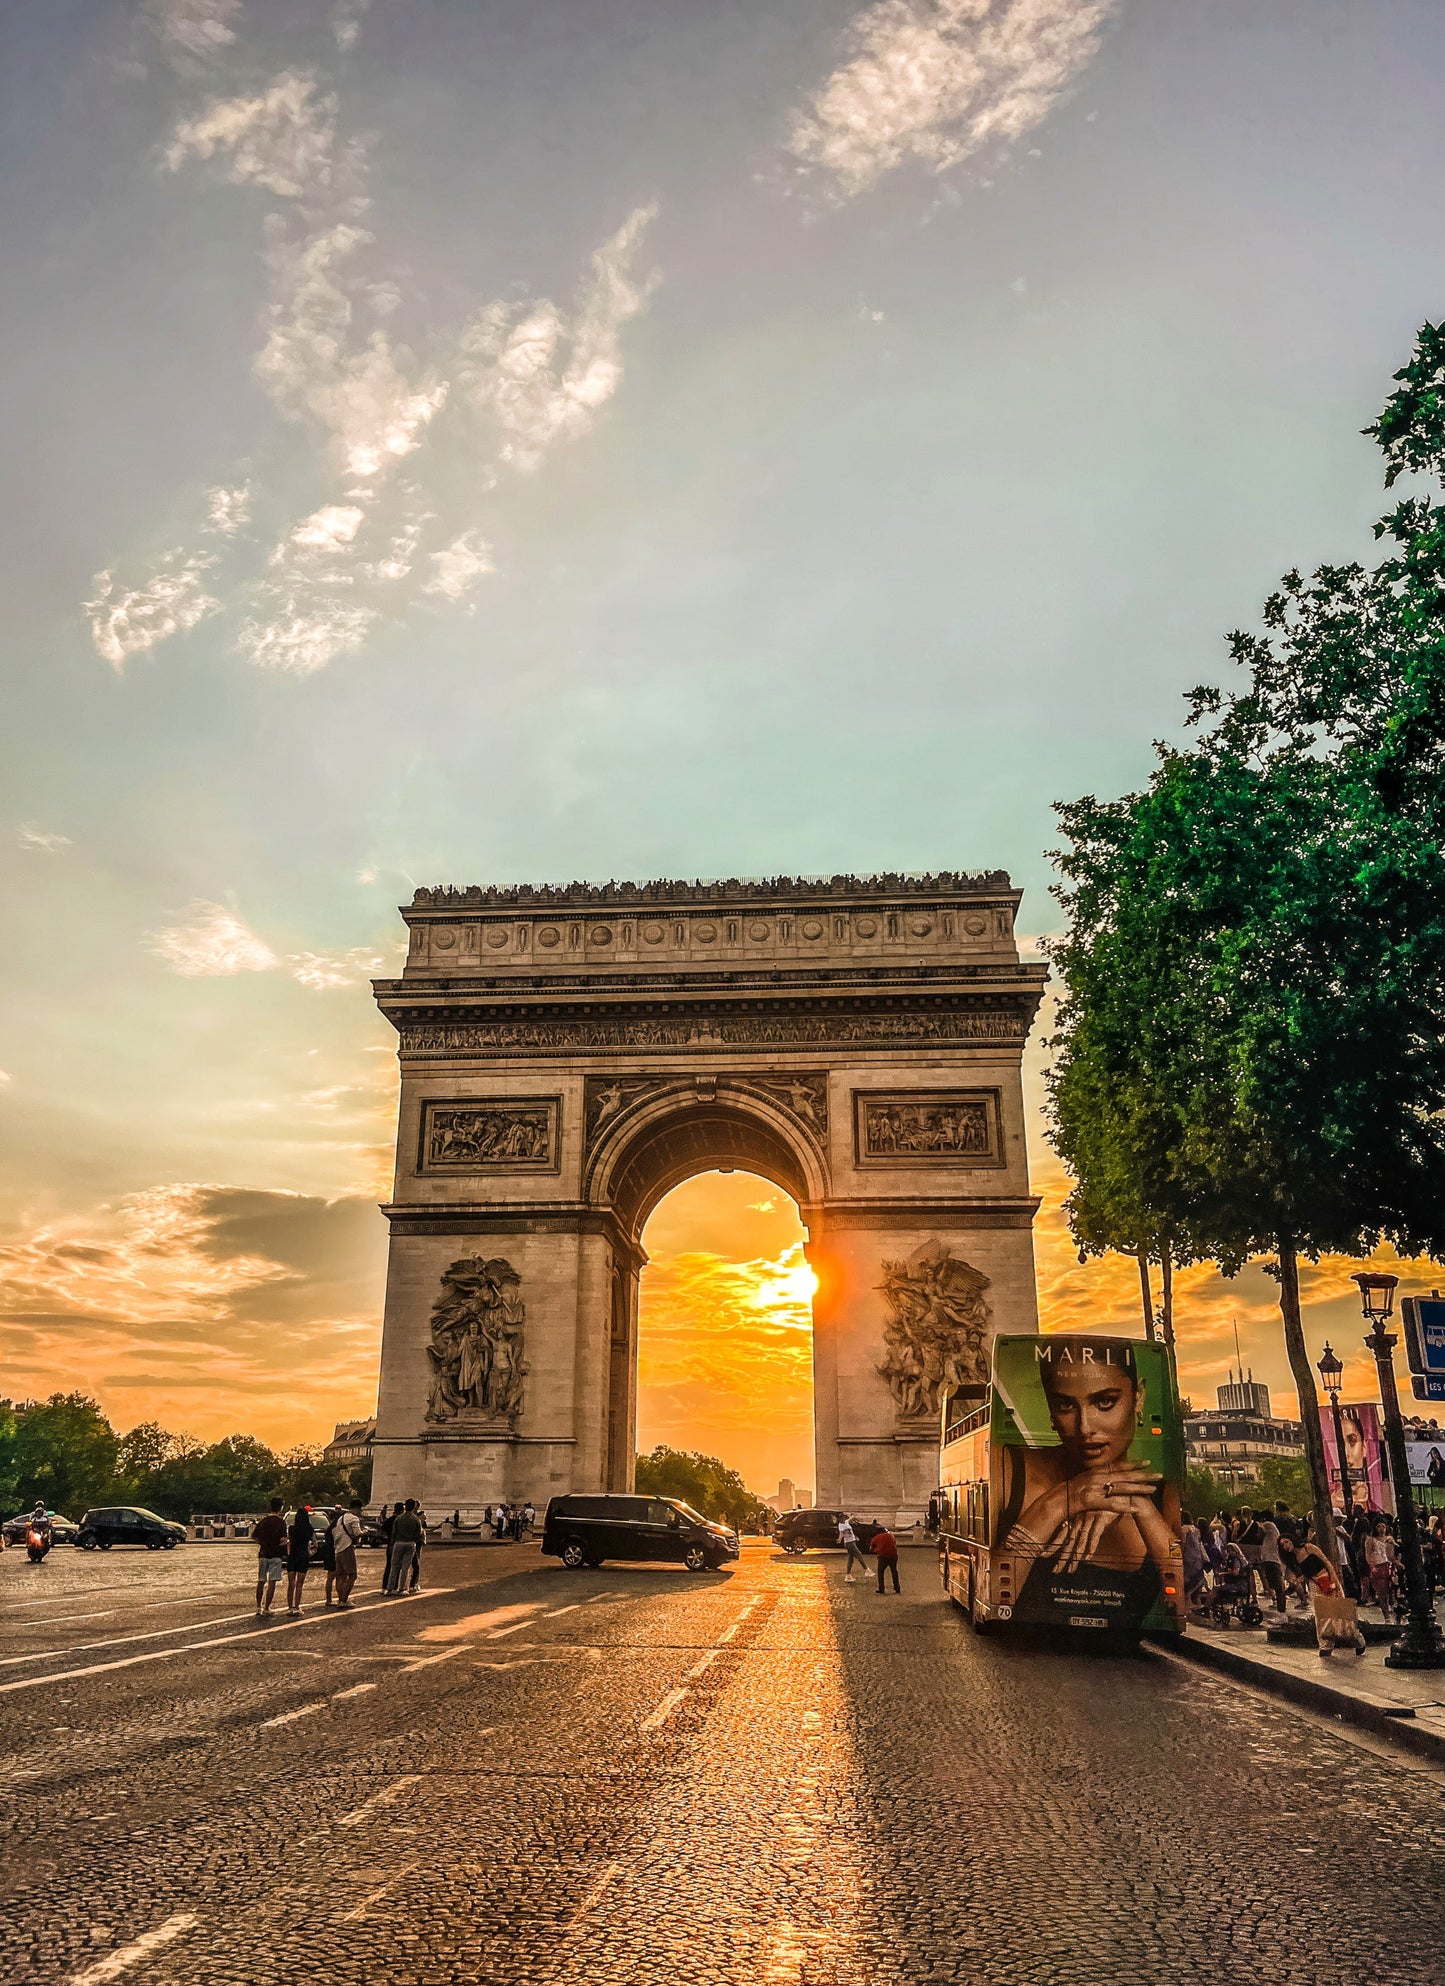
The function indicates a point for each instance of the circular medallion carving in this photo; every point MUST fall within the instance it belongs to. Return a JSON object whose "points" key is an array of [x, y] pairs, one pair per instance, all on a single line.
{"points": [[975, 926], [866, 927], [600, 935], [652, 934], [921, 926], [496, 939], [757, 932], [444, 940], [704, 933], [812, 929], [548, 936]]}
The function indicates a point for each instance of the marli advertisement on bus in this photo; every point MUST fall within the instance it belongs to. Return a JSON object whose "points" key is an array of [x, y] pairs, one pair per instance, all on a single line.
{"points": [[1368, 1471], [1089, 1457]]}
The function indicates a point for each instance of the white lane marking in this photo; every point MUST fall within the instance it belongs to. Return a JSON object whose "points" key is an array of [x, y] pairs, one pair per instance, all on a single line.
{"points": [[593, 1598], [728, 1633], [700, 1668], [500, 1633], [290, 1716], [357, 1689], [121, 1960], [121, 1640], [383, 1797], [664, 1710], [556, 1612], [59, 1620], [594, 1895], [356, 1916], [430, 1661], [196, 1647]]}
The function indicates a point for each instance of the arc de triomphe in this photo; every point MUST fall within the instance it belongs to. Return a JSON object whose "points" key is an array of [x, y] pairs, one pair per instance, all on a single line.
{"points": [[569, 1055]]}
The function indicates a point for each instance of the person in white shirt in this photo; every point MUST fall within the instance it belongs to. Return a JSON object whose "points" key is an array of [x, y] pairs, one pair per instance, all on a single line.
{"points": [[848, 1538], [345, 1531]]}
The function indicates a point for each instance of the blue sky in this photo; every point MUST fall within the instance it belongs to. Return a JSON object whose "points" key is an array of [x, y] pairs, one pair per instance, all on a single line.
{"points": [[551, 438]]}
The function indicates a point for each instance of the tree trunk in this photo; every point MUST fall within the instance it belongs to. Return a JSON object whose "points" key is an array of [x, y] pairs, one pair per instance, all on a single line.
{"points": [[1304, 1379], [1166, 1296], [1146, 1295]]}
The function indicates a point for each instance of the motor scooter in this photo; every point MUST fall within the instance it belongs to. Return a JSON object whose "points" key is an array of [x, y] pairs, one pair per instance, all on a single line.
{"points": [[37, 1543]]}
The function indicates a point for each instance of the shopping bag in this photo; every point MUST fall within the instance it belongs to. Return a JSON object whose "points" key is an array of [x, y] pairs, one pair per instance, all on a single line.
{"points": [[1337, 1618]]}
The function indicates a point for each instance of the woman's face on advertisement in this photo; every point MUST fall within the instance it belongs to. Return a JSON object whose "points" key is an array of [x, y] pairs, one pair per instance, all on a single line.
{"points": [[1354, 1443], [1094, 1409]]}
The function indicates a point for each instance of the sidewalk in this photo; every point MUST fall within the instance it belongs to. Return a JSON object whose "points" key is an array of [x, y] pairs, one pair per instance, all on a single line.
{"points": [[1406, 1706]]}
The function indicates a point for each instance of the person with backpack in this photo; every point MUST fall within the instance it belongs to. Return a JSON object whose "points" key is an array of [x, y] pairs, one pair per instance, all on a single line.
{"points": [[345, 1535]]}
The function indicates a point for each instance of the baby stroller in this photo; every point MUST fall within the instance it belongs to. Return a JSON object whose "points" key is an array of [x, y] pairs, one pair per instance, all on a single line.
{"points": [[1231, 1598]]}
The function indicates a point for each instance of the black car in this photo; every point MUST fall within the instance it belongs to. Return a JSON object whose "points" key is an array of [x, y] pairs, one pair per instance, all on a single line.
{"points": [[128, 1524], [817, 1530], [585, 1530], [62, 1531]]}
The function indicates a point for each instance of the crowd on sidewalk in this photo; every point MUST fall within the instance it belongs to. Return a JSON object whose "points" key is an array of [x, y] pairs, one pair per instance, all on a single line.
{"points": [[1253, 1559]]}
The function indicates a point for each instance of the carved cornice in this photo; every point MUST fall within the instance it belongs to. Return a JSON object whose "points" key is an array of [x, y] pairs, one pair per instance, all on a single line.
{"points": [[1004, 1022], [735, 889], [697, 984]]}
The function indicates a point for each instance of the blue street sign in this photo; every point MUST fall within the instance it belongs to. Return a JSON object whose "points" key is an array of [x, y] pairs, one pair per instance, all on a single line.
{"points": [[1424, 1320], [1428, 1388]]}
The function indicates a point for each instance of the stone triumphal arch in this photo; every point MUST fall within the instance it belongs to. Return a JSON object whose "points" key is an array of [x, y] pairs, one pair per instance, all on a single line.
{"points": [[569, 1055]]}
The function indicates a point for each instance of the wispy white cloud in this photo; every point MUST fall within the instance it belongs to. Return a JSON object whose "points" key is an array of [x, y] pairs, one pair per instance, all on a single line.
{"points": [[460, 567], [315, 367], [322, 971], [228, 510], [40, 841], [172, 601], [298, 632], [283, 139], [212, 942], [192, 33], [346, 19], [329, 529], [544, 378], [935, 81], [5, 1077]]}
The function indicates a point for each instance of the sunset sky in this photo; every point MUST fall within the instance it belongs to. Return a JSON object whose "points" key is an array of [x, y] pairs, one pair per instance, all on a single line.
{"points": [[534, 439]]}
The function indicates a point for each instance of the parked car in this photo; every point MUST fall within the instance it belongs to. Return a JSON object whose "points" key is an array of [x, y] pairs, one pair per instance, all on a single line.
{"points": [[62, 1531], [128, 1524], [817, 1530], [585, 1530], [372, 1535]]}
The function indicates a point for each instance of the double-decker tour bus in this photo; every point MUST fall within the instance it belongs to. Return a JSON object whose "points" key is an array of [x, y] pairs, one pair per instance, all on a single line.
{"points": [[1059, 1494]]}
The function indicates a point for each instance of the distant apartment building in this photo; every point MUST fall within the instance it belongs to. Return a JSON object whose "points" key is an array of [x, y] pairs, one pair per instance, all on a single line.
{"points": [[1240, 1433], [351, 1442], [789, 1497]]}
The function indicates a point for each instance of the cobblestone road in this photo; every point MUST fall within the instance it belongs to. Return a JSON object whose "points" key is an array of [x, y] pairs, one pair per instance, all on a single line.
{"points": [[636, 1775]]}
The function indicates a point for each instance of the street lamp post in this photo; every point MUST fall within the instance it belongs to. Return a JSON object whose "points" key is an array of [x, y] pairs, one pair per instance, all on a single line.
{"points": [[1419, 1645], [1332, 1372]]}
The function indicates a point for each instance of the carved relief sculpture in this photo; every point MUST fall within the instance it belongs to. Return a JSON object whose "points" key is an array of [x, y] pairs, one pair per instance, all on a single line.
{"points": [[475, 1137], [477, 1332], [946, 1127], [805, 1096], [938, 1329]]}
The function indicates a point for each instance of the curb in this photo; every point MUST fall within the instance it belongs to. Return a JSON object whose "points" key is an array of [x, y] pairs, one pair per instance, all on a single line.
{"points": [[1383, 1719]]}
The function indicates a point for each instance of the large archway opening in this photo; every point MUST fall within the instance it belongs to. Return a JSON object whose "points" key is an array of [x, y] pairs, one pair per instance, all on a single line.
{"points": [[725, 1329]]}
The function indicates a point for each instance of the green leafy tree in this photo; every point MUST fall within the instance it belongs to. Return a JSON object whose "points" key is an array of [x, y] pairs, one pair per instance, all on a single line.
{"points": [[9, 1468], [143, 1450], [703, 1481], [65, 1453]]}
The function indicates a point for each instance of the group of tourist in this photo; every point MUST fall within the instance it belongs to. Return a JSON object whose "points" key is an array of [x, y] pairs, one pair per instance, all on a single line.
{"points": [[301, 1547], [1273, 1557], [508, 1520]]}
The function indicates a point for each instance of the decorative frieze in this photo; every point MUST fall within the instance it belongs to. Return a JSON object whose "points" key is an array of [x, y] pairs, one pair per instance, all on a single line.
{"points": [[927, 1128], [938, 1331], [715, 1031], [478, 1328], [517, 1134]]}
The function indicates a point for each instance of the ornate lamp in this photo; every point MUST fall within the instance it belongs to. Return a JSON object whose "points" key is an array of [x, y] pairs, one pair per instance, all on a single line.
{"points": [[1419, 1645], [1332, 1371]]}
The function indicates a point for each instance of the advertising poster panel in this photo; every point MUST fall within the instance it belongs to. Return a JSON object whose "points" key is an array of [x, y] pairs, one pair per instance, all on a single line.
{"points": [[1427, 1463], [1088, 1442], [1364, 1451]]}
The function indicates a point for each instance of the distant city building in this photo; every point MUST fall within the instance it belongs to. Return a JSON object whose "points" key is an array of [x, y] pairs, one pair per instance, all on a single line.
{"points": [[789, 1497], [351, 1442], [1241, 1432]]}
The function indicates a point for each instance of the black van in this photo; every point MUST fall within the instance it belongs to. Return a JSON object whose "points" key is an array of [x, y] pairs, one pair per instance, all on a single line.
{"points": [[799, 1531], [121, 1524], [585, 1530]]}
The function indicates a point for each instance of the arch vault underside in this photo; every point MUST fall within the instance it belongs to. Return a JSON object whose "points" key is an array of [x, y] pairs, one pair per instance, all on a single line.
{"points": [[568, 1056]]}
